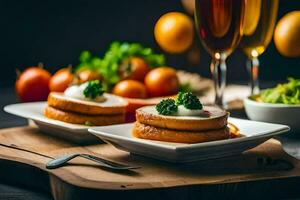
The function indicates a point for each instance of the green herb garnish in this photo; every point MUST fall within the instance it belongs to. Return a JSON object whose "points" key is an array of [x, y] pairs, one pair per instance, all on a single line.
{"points": [[109, 65], [88, 123], [166, 107], [185, 87], [288, 93], [170, 106], [188, 100], [93, 89]]}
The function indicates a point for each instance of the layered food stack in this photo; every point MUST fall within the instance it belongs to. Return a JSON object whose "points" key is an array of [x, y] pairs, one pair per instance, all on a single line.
{"points": [[182, 120], [86, 104]]}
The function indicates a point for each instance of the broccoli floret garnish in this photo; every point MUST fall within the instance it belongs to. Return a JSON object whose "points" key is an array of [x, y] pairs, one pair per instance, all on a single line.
{"points": [[179, 98], [166, 107], [93, 89], [170, 106], [189, 101]]}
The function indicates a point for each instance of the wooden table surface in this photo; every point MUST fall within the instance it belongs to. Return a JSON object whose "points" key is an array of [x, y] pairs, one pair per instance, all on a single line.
{"points": [[9, 190]]}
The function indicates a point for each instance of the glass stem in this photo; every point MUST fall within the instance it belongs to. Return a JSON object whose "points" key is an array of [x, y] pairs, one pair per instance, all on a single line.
{"points": [[253, 69], [218, 69]]}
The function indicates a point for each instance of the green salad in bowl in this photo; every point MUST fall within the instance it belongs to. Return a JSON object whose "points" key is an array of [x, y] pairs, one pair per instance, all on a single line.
{"points": [[287, 93], [280, 104]]}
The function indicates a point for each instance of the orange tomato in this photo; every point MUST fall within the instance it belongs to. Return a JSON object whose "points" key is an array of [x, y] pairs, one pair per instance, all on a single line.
{"points": [[130, 89], [33, 84], [174, 32], [134, 68], [287, 35], [162, 81], [189, 6], [87, 75], [61, 80]]}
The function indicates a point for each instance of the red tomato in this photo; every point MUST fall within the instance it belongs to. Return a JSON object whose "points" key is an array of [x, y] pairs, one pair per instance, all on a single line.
{"points": [[61, 80], [130, 89], [33, 85], [134, 68], [162, 81]]}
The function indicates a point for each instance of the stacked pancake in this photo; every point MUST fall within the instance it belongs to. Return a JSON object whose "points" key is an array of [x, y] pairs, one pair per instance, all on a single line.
{"points": [[210, 126], [77, 111]]}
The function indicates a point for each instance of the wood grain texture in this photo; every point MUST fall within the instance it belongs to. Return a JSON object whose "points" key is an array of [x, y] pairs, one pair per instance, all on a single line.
{"points": [[155, 179]]}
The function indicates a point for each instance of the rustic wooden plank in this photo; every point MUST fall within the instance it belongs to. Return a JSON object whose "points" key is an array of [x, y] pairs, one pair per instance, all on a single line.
{"points": [[82, 177]]}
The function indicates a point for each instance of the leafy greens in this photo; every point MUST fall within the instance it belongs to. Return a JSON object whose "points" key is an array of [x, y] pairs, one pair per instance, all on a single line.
{"points": [[288, 93], [108, 66]]}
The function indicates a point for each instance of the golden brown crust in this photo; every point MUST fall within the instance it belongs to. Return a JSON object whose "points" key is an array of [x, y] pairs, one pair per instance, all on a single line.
{"points": [[187, 124], [77, 118], [58, 101], [155, 133]]}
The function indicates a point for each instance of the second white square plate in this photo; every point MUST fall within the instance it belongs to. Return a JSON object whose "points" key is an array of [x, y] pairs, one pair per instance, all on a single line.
{"points": [[35, 111]]}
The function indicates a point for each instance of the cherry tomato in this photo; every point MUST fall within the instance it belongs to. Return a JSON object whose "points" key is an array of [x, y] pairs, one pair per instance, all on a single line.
{"points": [[61, 80], [130, 89], [33, 84], [87, 75], [162, 81], [134, 68]]}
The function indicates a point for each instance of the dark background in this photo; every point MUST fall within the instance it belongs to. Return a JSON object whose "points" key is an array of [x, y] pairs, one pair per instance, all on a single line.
{"points": [[55, 32]]}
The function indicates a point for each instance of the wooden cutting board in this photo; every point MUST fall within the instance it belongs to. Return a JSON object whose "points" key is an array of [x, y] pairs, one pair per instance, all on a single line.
{"points": [[81, 178]]}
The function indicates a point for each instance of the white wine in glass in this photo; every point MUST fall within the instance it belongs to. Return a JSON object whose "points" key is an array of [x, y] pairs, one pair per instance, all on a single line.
{"points": [[219, 25], [259, 22]]}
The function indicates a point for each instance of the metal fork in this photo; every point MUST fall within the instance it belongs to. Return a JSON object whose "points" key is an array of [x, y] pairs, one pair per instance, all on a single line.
{"points": [[60, 161]]}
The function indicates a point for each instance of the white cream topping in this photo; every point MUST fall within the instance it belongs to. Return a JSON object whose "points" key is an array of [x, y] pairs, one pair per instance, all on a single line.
{"points": [[183, 111], [208, 112], [76, 91]]}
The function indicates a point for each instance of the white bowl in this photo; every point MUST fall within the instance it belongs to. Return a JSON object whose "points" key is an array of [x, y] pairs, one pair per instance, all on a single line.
{"points": [[274, 113]]}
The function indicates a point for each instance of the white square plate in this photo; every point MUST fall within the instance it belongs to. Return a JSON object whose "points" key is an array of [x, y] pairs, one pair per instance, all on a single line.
{"points": [[35, 111], [254, 133]]}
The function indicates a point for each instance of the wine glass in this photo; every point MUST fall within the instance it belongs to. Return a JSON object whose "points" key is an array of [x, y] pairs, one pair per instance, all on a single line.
{"points": [[259, 23], [220, 26]]}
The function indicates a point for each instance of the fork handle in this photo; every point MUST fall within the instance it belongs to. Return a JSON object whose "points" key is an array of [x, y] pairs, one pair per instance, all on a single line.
{"points": [[60, 161]]}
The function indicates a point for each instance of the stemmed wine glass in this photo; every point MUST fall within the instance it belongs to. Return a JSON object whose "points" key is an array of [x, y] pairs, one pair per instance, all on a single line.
{"points": [[220, 27], [259, 23]]}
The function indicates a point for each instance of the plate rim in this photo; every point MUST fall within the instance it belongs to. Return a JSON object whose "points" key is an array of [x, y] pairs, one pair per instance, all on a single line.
{"points": [[64, 125], [44, 120], [267, 134]]}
